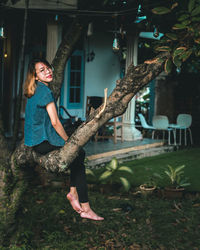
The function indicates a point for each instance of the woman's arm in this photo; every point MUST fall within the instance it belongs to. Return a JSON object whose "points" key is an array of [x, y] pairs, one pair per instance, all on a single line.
{"points": [[51, 109]]}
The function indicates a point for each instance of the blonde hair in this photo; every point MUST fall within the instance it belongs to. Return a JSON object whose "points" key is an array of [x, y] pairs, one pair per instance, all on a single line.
{"points": [[29, 85], [30, 82]]}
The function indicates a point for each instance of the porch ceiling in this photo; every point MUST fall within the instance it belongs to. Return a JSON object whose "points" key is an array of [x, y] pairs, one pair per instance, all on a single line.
{"points": [[45, 4]]}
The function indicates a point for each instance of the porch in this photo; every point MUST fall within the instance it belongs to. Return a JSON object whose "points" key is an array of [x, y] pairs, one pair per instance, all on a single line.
{"points": [[101, 152]]}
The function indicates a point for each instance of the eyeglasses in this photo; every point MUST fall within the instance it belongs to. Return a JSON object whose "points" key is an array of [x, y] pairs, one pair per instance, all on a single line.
{"points": [[45, 70]]}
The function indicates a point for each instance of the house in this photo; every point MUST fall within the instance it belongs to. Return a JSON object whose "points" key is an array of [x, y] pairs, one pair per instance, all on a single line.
{"points": [[93, 66]]}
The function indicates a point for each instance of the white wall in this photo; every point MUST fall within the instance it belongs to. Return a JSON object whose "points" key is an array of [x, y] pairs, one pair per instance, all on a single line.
{"points": [[100, 73], [104, 70]]}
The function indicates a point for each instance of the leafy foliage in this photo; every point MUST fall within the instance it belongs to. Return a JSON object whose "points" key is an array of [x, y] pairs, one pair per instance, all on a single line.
{"points": [[183, 39], [176, 176], [114, 173]]}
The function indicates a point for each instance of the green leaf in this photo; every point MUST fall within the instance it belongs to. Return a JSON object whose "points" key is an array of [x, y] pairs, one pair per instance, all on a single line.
{"points": [[171, 169], [197, 40], [196, 11], [197, 52], [179, 26], [195, 19], [172, 36], [108, 166], [160, 60], [177, 61], [183, 17], [174, 5], [89, 172], [125, 183], [168, 66], [178, 169], [114, 164], [126, 169], [186, 22], [168, 174], [147, 45], [191, 5], [185, 184], [161, 10], [105, 175], [185, 55], [162, 48], [179, 51]]}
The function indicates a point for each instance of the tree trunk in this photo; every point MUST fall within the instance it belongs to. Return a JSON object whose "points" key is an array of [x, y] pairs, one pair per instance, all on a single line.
{"points": [[16, 167]]}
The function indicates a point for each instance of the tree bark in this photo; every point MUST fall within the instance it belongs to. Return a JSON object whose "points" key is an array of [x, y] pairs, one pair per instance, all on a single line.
{"points": [[62, 55]]}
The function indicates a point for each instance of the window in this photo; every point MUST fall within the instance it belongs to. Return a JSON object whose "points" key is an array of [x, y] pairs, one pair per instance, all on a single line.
{"points": [[75, 80]]}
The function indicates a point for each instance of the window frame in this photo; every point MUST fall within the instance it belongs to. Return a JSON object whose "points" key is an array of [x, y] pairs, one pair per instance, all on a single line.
{"points": [[77, 105]]}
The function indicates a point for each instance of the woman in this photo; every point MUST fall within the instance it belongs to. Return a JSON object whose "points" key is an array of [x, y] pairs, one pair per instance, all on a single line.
{"points": [[44, 132]]}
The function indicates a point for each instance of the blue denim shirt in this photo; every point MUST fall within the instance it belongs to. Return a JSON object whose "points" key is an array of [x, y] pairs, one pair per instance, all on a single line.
{"points": [[38, 127]]}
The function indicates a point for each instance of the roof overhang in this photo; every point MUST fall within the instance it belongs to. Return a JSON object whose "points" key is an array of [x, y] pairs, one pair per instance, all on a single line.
{"points": [[45, 4]]}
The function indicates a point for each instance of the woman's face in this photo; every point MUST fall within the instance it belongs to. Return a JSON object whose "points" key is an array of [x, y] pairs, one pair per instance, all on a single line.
{"points": [[43, 73]]}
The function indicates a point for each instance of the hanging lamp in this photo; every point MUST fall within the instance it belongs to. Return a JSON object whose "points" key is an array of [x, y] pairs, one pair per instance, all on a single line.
{"points": [[115, 46]]}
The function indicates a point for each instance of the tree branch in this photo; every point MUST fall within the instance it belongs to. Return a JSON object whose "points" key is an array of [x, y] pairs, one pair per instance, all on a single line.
{"points": [[135, 79], [63, 54]]}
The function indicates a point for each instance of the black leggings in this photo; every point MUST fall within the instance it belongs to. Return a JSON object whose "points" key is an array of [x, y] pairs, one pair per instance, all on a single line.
{"points": [[77, 169]]}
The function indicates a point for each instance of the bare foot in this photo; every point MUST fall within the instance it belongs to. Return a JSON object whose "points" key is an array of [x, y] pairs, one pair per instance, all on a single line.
{"points": [[90, 215], [74, 203]]}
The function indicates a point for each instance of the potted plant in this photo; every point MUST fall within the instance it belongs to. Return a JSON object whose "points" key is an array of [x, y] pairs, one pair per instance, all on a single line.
{"points": [[113, 174], [150, 185], [177, 181]]}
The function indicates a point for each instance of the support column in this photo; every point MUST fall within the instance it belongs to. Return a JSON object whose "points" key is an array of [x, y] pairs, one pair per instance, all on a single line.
{"points": [[130, 132], [52, 40]]}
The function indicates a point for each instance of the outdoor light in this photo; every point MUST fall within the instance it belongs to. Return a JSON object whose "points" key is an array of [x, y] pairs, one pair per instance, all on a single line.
{"points": [[140, 18], [90, 29], [2, 32], [56, 18], [115, 46], [90, 56], [178, 70], [155, 32], [5, 49]]}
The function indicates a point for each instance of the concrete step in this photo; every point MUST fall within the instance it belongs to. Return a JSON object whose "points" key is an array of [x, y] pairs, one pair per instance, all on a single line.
{"points": [[128, 154]]}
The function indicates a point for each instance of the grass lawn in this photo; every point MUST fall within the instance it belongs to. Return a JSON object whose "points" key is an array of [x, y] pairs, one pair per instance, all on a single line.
{"points": [[145, 167], [47, 221]]}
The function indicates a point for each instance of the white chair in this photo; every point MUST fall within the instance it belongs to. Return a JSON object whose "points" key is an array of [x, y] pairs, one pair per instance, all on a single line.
{"points": [[161, 122], [184, 122], [144, 123]]}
